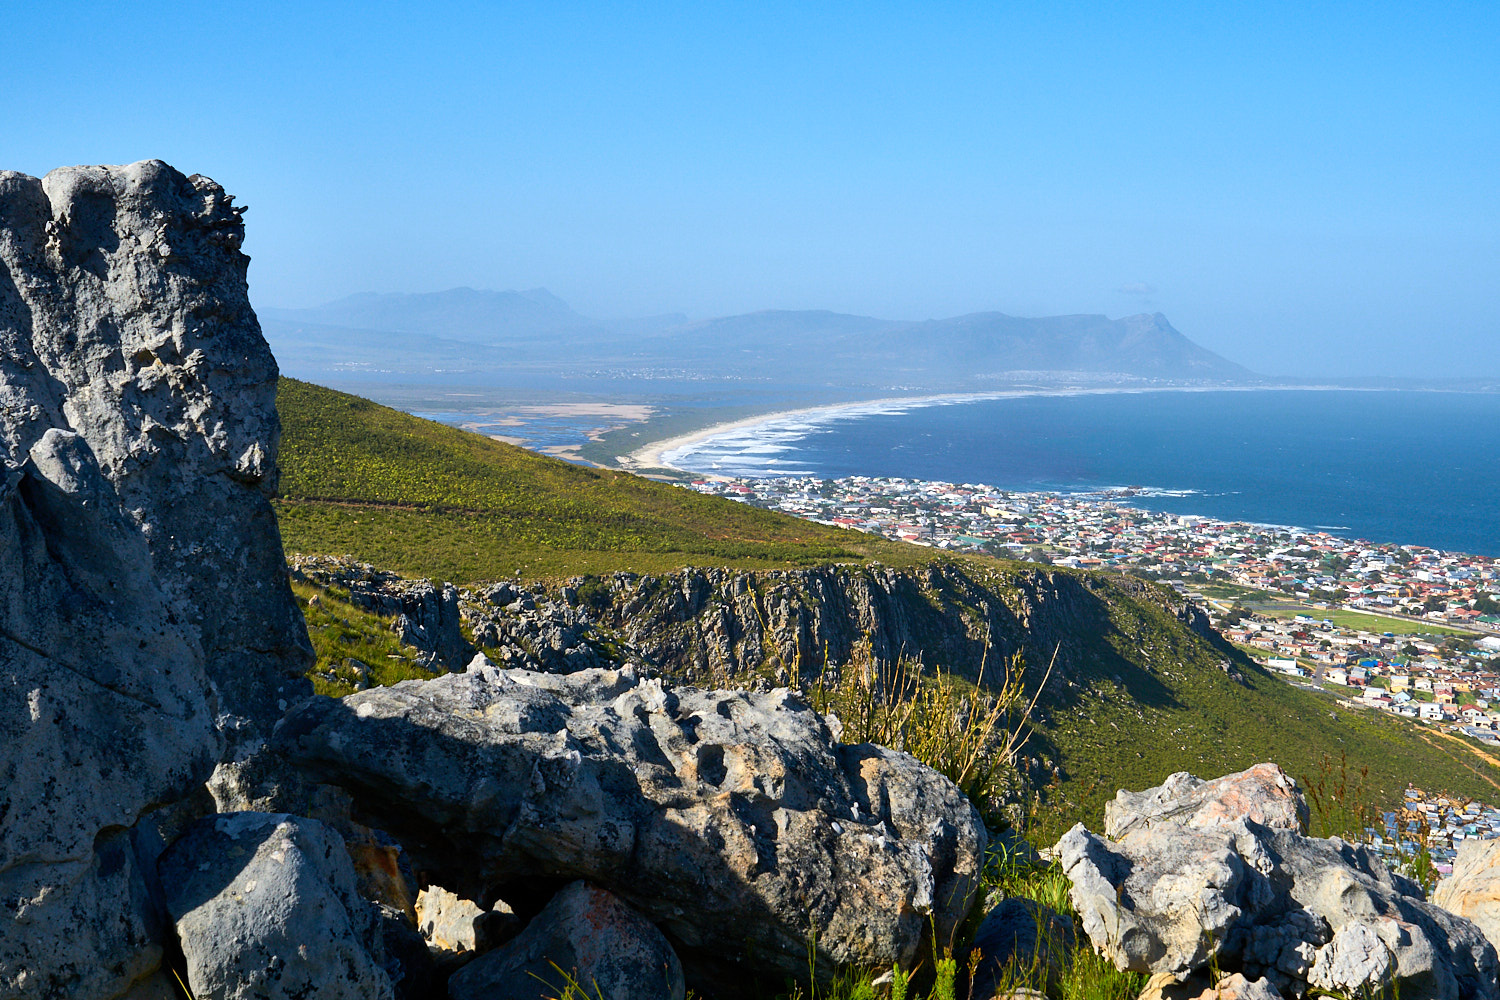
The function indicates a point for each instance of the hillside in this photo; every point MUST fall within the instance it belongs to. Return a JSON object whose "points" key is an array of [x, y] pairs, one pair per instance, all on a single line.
{"points": [[424, 499], [1142, 687]]}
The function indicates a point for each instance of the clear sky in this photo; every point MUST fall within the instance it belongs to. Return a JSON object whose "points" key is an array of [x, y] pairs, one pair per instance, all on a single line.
{"points": [[1305, 188]]}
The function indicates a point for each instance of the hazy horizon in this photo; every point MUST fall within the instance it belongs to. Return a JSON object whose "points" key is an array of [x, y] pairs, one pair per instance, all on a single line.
{"points": [[1303, 192]]}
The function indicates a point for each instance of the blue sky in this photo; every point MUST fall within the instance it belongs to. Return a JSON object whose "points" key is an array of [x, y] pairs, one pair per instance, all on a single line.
{"points": [[1308, 191]]}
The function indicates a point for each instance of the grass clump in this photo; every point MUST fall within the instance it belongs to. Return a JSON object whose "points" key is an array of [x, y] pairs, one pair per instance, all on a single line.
{"points": [[355, 649], [967, 732]]}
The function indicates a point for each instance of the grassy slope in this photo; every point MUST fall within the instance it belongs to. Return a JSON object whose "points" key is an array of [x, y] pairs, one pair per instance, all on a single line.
{"points": [[422, 499], [427, 500], [1131, 728]]}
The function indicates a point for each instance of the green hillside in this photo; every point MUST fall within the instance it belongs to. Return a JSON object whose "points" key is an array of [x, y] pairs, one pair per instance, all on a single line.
{"points": [[424, 499]]}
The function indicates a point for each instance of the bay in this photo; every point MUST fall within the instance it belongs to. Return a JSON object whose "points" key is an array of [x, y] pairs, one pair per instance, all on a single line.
{"points": [[1406, 467]]}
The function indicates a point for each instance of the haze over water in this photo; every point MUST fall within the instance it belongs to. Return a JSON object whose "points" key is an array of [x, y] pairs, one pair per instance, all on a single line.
{"points": [[1406, 467]]}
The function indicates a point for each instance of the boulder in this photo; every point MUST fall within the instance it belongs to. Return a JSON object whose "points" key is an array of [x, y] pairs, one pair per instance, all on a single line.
{"points": [[1179, 893], [584, 936], [1473, 890], [734, 821], [1018, 938], [266, 908], [1264, 794]]}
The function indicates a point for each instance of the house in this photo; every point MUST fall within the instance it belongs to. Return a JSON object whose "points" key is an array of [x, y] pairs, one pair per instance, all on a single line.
{"points": [[1286, 665], [1336, 675]]}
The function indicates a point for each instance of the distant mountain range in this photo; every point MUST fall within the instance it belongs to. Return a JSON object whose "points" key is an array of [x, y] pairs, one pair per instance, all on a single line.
{"points": [[386, 336]]}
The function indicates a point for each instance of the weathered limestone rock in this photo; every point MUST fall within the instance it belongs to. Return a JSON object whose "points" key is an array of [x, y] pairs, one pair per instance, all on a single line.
{"points": [[266, 908], [103, 713], [124, 317], [584, 933], [144, 611], [734, 821], [1264, 794], [1168, 897], [1473, 890]]}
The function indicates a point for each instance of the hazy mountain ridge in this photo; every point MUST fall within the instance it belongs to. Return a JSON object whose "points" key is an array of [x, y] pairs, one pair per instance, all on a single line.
{"points": [[536, 327]]}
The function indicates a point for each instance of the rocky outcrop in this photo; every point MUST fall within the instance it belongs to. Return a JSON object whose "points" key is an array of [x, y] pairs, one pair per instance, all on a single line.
{"points": [[145, 618], [425, 615], [1264, 794], [124, 318], [584, 936], [1198, 987], [265, 907], [734, 821], [1473, 889], [1205, 882]]}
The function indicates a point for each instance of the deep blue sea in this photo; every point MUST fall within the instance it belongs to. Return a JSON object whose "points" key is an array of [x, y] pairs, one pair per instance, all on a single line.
{"points": [[1388, 466]]}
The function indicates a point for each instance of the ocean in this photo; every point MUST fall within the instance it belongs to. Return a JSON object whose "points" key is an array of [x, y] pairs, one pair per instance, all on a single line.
{"points": [[1388, 466]]}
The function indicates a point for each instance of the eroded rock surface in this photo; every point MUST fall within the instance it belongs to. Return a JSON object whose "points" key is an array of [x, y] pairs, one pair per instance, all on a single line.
{"points": [[1176, 894], [734, 821], [145, 617]]}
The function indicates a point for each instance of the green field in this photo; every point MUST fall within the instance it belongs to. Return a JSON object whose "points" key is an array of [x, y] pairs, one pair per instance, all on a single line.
{"points": [[1265, 603], [1364, 621]]}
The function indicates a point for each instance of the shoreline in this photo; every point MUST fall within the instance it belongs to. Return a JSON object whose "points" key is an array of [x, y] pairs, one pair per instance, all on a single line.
{"points": [[651, 456]]}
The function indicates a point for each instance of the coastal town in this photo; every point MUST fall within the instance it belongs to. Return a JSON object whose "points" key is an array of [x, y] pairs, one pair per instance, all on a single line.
{"points": [[1400, 628]]}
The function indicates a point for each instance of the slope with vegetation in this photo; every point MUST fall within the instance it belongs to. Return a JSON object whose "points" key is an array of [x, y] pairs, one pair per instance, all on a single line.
{"points": [[423, 499], [1140, 689]]}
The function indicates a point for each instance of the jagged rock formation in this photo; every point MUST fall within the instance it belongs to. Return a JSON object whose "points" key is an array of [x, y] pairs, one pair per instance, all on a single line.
{"points": [[1202, 882], [733, 821], [124, 318], [145, 617], [777, 626], [1263, 794]]}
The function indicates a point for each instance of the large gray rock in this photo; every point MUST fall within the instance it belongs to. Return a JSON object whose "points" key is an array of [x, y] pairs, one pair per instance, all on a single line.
{"points": [[144, 611], [266, 908], [103, 712], [125, 318], [734, 821], [1172, 898], [584, 936]]}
